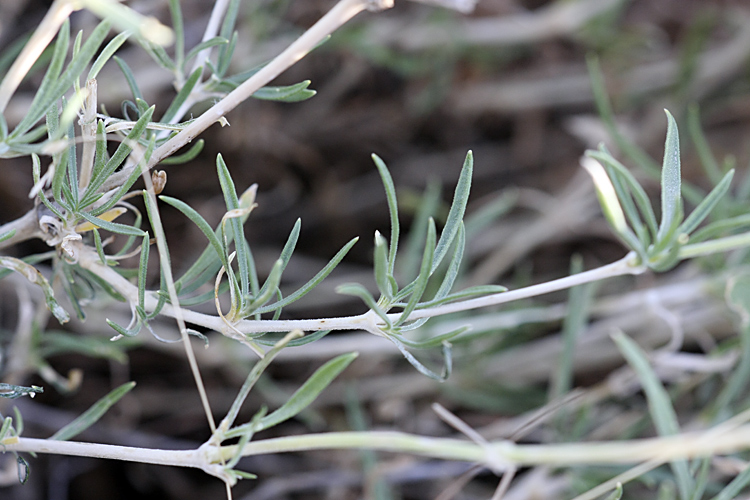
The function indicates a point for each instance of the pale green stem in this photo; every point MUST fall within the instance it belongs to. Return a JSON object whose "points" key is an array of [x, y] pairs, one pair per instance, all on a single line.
{"points": [[166, 268], [498, 456], [369, 321], [626, 265]]}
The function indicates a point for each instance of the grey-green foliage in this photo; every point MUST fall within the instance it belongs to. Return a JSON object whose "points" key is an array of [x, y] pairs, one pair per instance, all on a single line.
{"points": [[657, 244], [250, 298], [411, 296]]}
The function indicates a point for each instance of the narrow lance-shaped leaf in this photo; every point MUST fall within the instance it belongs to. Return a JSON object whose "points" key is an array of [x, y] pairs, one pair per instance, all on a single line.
{"points": [[232, 203], [66, 80], [143, 271], [268, 290], [314, 281], [456, 213], [129, 77], [10, 391], [455, 264], [42, 101], [292, 93], [390, 195], [671, 182], [122, 152], [125, 187], [309, 391], [185, 157], [93, 414], [255, 373], [227, 31], [707, 205], [182, 95], [34, 276], [420, 284], [380, 268], [659, 404], [199, 221], [113, 227], [290, 245], [212, 42], [611, 208], [639, 194], [106, 53], [179, 31]]}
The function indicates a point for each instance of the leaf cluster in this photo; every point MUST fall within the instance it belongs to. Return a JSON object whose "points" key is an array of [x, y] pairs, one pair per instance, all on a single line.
{"points": [[411, 297], [629, 212]]}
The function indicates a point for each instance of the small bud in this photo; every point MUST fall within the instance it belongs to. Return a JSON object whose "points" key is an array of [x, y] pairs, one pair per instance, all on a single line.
{"points": [[159, 179]]}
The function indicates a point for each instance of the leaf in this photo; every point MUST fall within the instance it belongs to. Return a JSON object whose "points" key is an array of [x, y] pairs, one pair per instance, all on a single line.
{"points": [[659, 404], [237, 233], [34, 276], [456, 213], [125, 187], [113, 227], [50, 77], [182, 95], [631, 194], [610, 204], [291, 93], [185, 157], [381, 267], [447, 357], [735, 486], [61, 84], [24, 469], [121, 153], [179, 32], [7, 235], [213, 42], [707, 205], [93, 414], [267, 291], [106, 53], [671, 181], [199, 221], [10, 391], [390, 194], [129, 77], [420, 283], [314, 281], [309, 391]]}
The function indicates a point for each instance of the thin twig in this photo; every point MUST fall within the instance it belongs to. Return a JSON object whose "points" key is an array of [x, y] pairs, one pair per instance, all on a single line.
{"points": [[330, 22]]}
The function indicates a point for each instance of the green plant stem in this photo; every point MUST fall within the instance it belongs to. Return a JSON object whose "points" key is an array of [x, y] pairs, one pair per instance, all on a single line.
{"points": [[501, 455], [330, 22], [369, 321]]}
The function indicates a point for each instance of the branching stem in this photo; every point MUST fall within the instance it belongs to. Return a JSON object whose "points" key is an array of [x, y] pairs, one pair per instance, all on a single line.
{"points": [[330, 22]]}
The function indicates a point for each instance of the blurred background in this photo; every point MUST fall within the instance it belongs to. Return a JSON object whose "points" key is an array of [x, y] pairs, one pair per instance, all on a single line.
{"points": [[419, 85]]}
